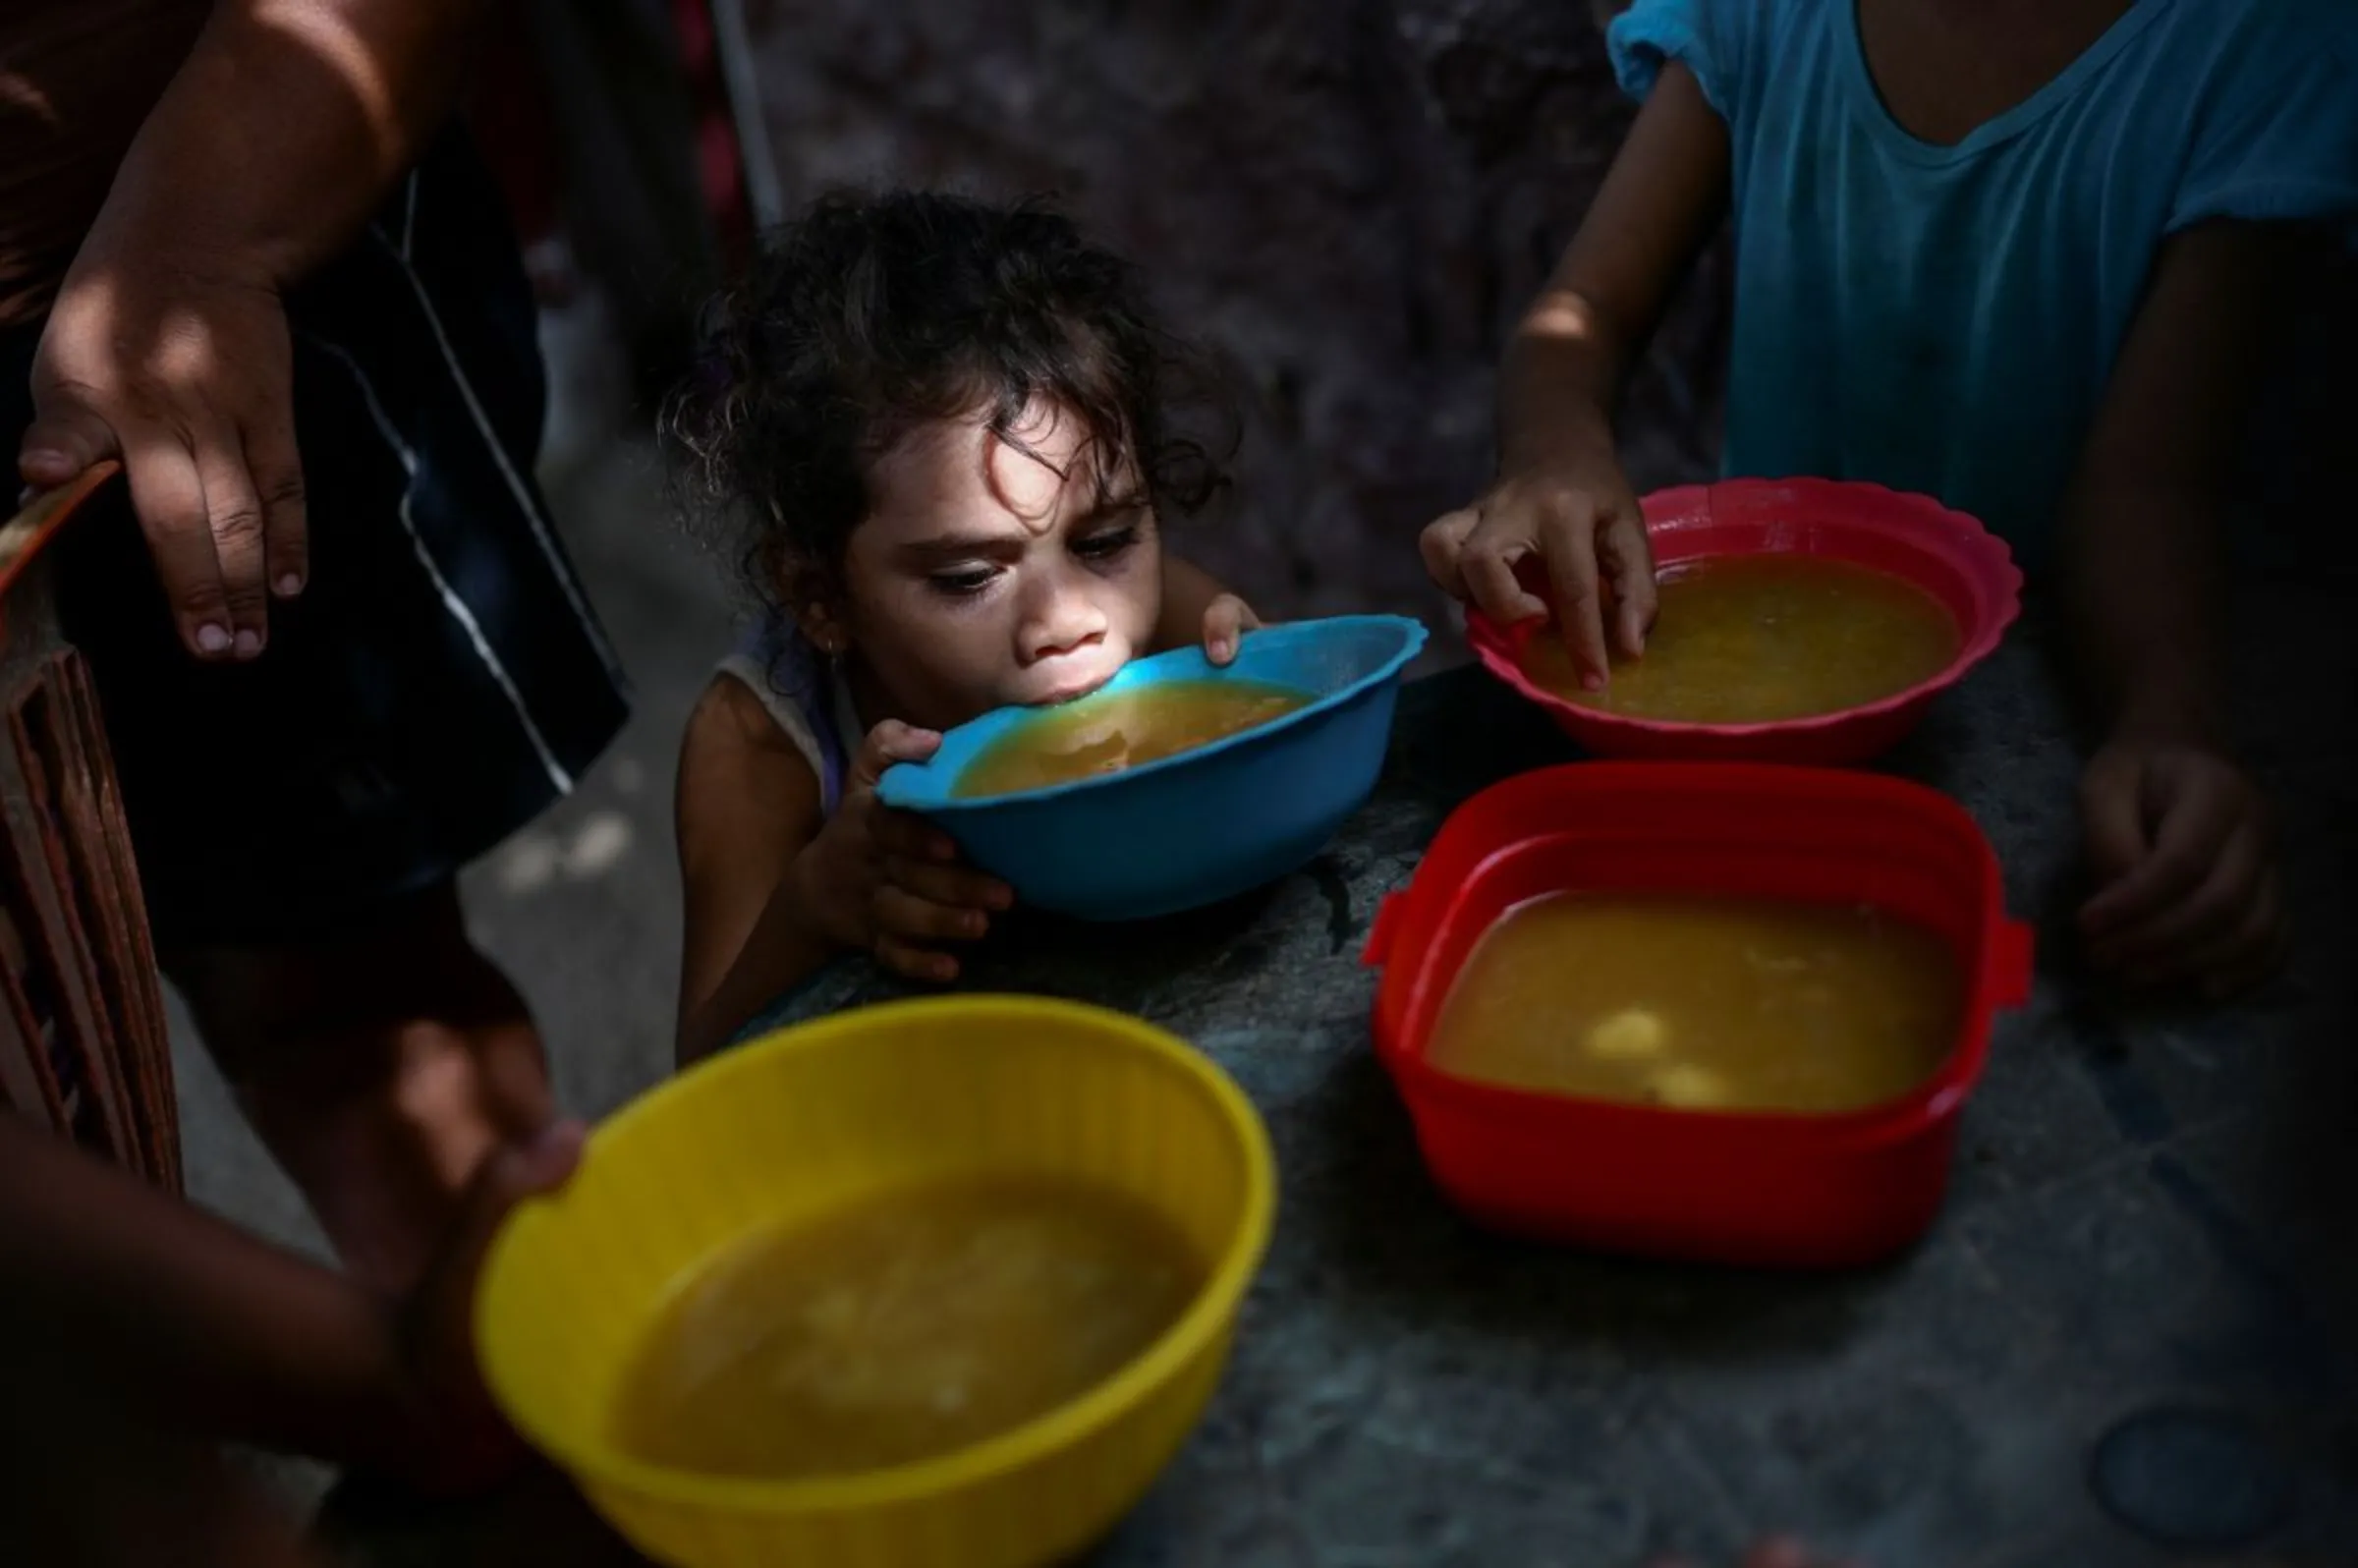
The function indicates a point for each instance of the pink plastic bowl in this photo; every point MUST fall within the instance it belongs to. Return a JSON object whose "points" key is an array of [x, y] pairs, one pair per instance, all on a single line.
{"points": [[1946, 553]]}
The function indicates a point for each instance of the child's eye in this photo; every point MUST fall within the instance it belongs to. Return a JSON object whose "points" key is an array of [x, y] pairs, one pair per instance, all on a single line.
{"points": [[1106, 545], [965, 582]]}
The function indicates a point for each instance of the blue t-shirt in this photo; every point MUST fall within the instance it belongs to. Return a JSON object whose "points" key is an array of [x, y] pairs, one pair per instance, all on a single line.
{"points": [[1944, 319]]}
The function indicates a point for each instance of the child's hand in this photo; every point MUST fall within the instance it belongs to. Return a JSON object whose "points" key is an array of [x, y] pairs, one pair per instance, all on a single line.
{"points": [[881, 881], [1226, 620], [2184, 863], [457, 1441], [1583, 526]]}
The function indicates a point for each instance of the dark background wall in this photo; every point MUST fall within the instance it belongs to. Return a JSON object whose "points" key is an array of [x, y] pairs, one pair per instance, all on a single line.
{"points": [[1347, 200]]}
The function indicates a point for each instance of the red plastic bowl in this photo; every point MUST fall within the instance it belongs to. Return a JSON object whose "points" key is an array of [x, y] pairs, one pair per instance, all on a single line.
{"points": [[1752, 1188], [1946, 553]]}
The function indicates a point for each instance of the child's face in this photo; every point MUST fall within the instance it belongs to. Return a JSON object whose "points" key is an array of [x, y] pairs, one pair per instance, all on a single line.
{"points": [[987, 575]]}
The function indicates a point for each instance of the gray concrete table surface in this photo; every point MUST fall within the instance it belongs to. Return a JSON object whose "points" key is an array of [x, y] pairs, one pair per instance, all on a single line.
{"points": [[2151, 1211]]}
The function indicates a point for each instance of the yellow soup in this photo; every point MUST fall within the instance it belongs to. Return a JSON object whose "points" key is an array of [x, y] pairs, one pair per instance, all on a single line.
{"points": [[1754, 638], [902, 1329], [1703, 1003], [1114, 730]]}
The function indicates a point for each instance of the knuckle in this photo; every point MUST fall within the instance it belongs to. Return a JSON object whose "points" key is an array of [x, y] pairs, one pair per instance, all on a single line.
{"points": [[1561, 502], [281, 489], [238, 527], [194, 593]]}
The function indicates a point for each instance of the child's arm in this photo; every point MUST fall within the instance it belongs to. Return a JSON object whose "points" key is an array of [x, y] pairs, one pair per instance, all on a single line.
{"points": [[745, 805], [212, 1332], [1560, 495], [773, 888], [1197, 608], [2177, 835]]}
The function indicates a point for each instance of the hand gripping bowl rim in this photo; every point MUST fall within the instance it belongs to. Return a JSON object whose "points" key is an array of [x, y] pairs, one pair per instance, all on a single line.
{"points": [[1986, 560]]}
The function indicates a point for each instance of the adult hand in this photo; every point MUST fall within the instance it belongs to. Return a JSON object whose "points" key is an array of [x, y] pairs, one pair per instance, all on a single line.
{"points": [[1583, 526], [457, 1441], [2183, 859], [1226, 620], [179, 363], [882, 881]]}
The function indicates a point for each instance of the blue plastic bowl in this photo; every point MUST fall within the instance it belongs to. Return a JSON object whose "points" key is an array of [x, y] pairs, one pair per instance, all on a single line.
{"points": [[1203, 825]]}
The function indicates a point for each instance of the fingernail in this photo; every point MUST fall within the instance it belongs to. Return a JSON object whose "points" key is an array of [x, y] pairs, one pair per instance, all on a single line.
{"points": [[1592, 683], [211, 639], [249, 644], [1002, 898], [976, 924], [290, 585]]}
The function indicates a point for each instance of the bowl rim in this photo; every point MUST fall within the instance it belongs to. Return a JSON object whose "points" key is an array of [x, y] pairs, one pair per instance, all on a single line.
{"points": [[1987, 559], [597, 1461], [1938, 1097], [920, 787]]}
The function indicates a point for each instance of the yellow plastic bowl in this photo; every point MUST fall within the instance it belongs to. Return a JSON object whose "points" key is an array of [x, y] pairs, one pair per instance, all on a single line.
{"points": [[796, 1125]]}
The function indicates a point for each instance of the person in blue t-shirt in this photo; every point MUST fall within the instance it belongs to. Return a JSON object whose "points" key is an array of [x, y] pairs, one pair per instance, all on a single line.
{"points": [[2020, 254]]}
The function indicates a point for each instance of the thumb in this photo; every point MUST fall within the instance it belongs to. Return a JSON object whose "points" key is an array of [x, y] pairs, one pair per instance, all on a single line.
{"points": [[66, 439], [1224, 622], [513, 1173], [462, 1443], [888, 743]]}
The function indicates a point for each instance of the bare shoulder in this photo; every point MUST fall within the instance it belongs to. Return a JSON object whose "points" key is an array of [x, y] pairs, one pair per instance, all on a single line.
{"points": [[737, 768]]}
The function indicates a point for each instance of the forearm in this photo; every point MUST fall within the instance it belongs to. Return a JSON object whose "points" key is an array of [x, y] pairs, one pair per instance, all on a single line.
{"points": [[209, 1328], [2140, 575], [1664, 195], [1560, 384], [284, 128], [783, 949], [2142, 550]]}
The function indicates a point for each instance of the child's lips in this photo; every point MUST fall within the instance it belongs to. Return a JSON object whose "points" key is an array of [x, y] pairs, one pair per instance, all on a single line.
{"points": [[1070, 692], [1073, 685]]}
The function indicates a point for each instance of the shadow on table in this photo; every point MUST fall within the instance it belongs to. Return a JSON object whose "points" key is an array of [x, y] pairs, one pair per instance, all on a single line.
{"points": [[1368, 1214]]}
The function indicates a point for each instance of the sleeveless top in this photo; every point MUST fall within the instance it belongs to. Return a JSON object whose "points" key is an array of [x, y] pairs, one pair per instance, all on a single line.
{"points": [[805, 695]]}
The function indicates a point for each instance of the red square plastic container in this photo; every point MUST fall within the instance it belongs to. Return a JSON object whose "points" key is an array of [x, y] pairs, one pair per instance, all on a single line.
{"points": [[1943, 552], [1746, 1188]]}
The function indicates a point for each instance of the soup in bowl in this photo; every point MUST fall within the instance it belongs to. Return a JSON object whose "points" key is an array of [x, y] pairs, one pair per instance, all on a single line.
{"points": [[1800, 621]]}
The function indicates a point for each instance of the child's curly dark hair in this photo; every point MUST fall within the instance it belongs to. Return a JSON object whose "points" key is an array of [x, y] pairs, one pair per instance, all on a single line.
{"points": [[875, 313]]}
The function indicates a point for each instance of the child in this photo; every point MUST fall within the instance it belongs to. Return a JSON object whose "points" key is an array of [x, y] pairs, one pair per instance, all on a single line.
{"points": [[2018, 253], [944, 432]]}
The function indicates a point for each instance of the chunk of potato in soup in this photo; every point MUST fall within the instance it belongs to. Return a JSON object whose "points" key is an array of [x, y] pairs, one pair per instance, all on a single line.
{"points": [[1756, 638], [902, 1329], [1703, 1003], [1113, 730]]}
